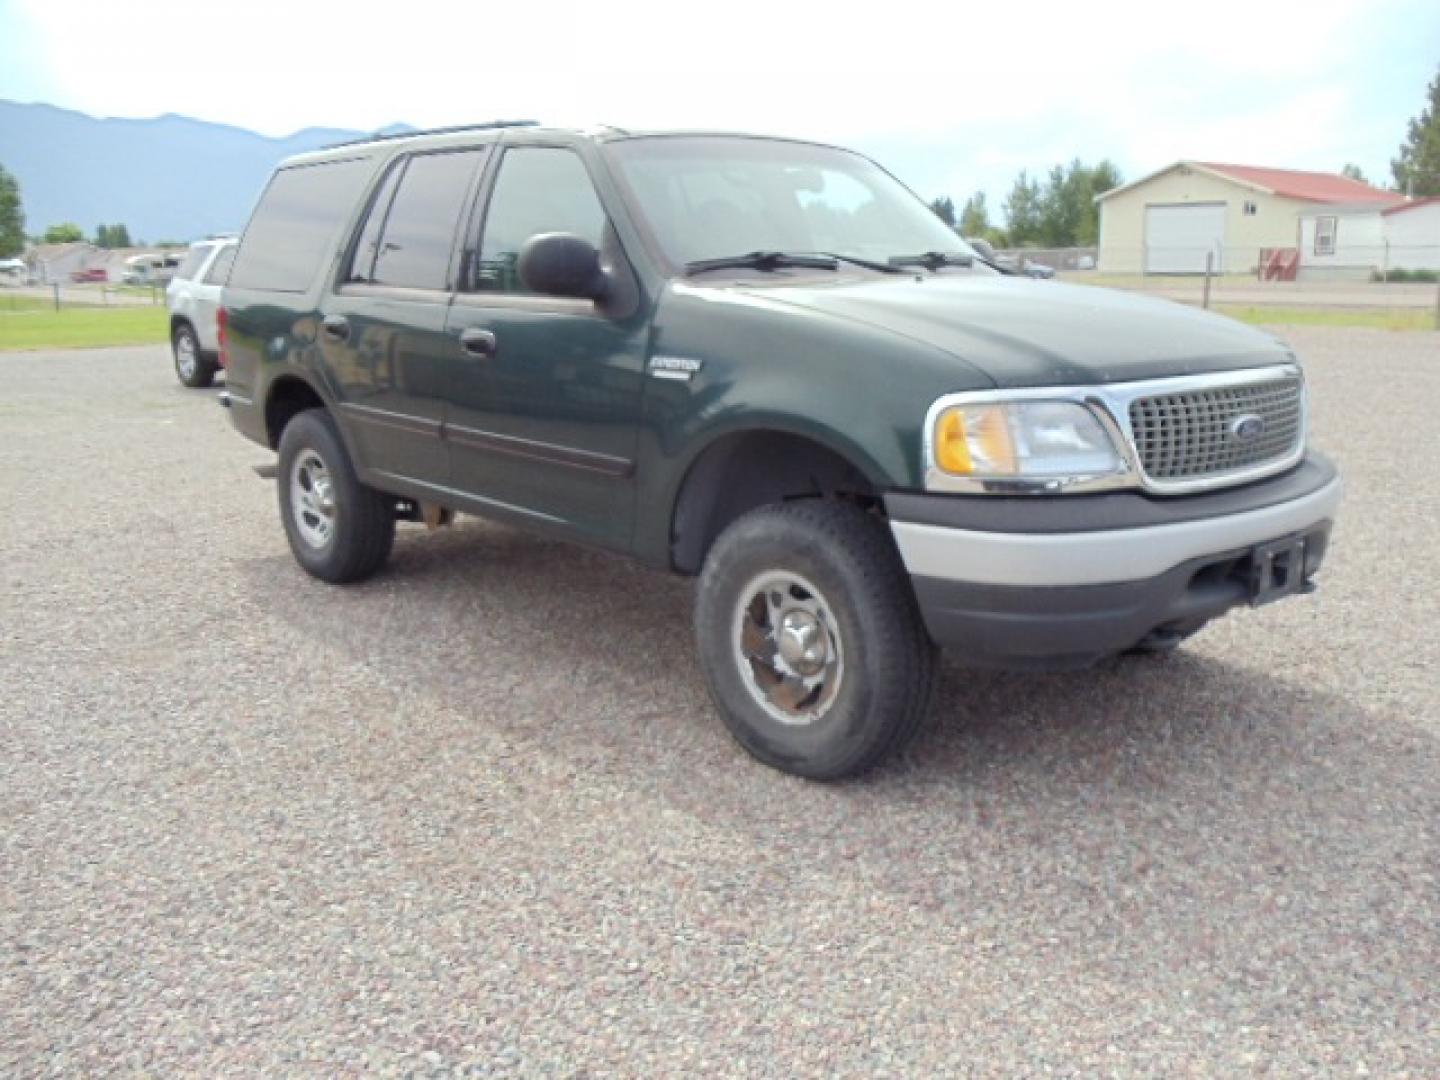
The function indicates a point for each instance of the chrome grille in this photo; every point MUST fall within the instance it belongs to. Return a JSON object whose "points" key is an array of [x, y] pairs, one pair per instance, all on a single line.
{"points": [[1192, 434]]}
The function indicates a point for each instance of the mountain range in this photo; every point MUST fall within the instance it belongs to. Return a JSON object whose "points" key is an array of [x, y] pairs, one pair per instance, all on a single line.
{"points": [[167, 178]]}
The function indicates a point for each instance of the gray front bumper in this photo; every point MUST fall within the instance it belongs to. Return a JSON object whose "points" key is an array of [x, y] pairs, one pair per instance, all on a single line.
{"points": [[1031, 592]]}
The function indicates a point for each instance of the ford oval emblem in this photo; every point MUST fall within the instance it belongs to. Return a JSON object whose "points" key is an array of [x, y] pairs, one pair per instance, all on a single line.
{"points": [[1247, 428]]}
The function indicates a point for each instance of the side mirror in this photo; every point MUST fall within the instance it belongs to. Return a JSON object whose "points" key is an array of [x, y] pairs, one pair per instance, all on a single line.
{"points": [[561, 264]]}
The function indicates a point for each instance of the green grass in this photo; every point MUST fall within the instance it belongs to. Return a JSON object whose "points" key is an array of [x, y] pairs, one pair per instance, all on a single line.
{"points": [[1374, 318], [12, 302], [38, 326]]}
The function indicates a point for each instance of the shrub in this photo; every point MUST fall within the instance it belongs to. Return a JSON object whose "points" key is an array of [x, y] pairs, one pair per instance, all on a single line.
{"points": [[1401, 276]]}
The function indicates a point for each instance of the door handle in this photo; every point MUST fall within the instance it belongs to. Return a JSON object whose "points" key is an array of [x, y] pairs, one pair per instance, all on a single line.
{"points": [[478, 342], [336, 327]]}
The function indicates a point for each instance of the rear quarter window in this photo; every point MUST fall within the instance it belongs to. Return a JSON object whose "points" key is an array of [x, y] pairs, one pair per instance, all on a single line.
{"points": [[219, 271], [296, 223], [191, 266]]}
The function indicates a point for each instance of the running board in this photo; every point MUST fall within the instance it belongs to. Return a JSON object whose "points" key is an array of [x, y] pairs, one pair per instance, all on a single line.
{"points": [[266, 472]]}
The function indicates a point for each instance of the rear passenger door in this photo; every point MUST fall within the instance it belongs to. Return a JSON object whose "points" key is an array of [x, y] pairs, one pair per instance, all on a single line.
{"points": [[543, 416], [383, 327]]}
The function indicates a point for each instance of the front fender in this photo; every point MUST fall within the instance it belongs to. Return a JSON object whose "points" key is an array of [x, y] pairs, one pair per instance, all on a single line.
{"points": [[856, 389]]}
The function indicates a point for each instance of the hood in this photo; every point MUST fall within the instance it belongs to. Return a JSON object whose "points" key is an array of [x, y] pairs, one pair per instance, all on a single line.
{"points": [[1022, 332]]}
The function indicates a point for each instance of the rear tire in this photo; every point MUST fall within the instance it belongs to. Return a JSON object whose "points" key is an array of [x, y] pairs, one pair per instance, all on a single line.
{"points": [[192, 368], [811, 643], [339, 529]]}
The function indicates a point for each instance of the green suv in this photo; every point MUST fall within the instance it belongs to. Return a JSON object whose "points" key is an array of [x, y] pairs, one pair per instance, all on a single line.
{"points": [[767, 364]]}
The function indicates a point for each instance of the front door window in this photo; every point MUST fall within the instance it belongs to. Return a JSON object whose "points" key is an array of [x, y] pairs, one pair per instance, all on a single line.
{"points": [[539, 190]]}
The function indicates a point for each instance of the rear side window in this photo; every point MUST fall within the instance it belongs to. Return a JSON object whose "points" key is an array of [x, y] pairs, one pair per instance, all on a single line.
{"points": [[219, 271], [362, 260], [191, 266], [407, 240], [540, 189], [293, 227]]}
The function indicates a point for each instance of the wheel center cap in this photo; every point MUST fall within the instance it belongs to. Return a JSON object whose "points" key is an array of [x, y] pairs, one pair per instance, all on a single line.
{"points": [[802, 645]]}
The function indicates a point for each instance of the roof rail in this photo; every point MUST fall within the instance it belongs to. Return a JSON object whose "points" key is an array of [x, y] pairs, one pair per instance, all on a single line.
{"points": [[486, 126]]}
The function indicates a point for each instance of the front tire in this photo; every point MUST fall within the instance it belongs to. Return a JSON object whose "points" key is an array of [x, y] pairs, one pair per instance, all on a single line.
{"points": [[811, 643], [191, 366], [339, 529]]}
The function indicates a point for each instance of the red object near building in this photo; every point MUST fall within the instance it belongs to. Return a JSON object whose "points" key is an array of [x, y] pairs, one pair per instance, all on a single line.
{"points": [[1279, 264]]}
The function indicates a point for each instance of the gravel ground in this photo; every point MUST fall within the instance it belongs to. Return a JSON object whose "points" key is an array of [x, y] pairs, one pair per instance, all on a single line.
{"points": [[478, 815]]}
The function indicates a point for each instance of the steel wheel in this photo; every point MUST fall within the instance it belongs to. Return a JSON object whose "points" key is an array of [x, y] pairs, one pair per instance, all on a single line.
{"points": [[192, 367], [187, 356], [312, 499], [809, 638], [788, 647]]}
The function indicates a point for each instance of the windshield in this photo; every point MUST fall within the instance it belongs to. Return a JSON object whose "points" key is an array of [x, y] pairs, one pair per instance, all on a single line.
{"points": [[709, 197]]}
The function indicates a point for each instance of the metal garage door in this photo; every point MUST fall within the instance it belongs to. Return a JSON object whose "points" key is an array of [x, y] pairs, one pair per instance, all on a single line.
{"points": [[1178, 237]]}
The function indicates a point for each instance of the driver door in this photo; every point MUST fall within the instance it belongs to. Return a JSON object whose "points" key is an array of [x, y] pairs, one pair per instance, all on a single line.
{"points": [[543, 407]]}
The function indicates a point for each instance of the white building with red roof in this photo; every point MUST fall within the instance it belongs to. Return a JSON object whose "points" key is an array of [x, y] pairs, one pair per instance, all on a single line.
{"points": [[1236, 216], [1358, 242]]}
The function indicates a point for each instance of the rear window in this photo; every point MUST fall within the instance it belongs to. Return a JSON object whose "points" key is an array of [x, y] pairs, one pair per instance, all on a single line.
{"points": [[295, 224]]}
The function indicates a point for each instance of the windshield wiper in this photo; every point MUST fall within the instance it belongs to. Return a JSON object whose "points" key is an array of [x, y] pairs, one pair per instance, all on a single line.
{"points": [[763, 260], [933, 260], [868, 264]]}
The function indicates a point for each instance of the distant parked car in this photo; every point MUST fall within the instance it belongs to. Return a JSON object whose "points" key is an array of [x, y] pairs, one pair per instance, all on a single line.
{"points": [[92, 273], [1009, 264], [193, 297]]}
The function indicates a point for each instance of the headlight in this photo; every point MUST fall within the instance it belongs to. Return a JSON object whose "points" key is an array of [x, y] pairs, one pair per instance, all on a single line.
{"points": [[1022, 440]]}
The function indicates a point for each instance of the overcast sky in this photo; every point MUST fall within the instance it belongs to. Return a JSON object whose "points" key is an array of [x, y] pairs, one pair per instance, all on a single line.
{"points": [[952, 96]]}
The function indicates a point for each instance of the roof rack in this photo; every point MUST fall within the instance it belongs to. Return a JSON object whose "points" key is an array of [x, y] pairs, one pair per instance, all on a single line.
{"points": [[488, 125]]}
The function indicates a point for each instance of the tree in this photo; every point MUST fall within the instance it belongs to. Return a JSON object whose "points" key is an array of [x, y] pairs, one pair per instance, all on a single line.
{"points": [[944, 208], [112, 236], [1353, 172], [65, 233], [12, 217], [1062, 204], [1417, 169], [1103, 176], [975, 218], [1023, 210], [1062, 212], [1069, 216]]}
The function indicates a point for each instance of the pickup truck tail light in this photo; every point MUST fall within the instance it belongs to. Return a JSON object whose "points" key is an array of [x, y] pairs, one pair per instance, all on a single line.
{"points": [[221, 318]]}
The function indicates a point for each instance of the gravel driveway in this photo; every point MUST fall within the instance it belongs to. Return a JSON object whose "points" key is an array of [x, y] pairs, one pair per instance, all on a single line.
{"points": [[477, 814]]}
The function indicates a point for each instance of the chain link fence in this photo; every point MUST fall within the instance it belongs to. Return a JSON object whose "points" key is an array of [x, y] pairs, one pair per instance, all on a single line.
{"points": [[29, 297], [1381, 276], [1324, 259]]}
